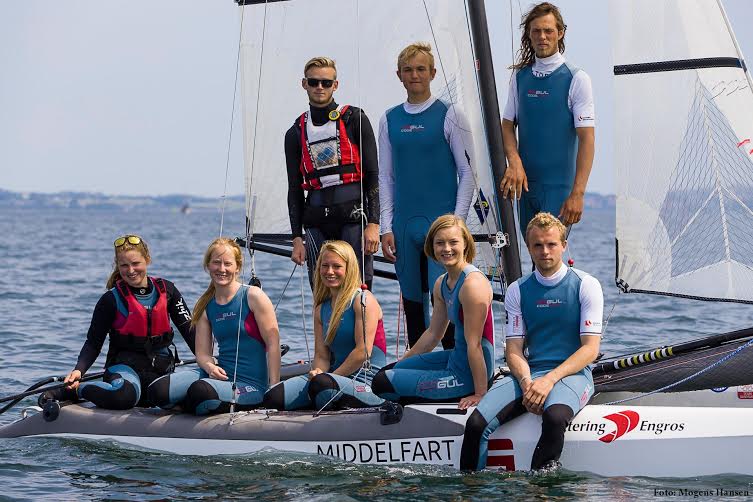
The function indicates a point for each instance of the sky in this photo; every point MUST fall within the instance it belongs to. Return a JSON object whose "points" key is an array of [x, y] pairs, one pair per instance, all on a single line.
{"points": [[136, 97]]}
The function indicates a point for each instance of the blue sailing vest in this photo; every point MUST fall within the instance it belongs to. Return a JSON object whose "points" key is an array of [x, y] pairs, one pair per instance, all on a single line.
{"points": [[252, 351], [426, 178], [546, 134], [552, 319], [458, 361], [344, 342]]}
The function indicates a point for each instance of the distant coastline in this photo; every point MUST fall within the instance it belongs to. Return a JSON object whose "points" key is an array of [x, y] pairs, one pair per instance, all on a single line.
{"points": [[97, 201]]}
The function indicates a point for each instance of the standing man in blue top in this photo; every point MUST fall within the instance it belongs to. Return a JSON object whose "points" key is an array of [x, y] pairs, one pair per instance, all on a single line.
{"points": [[555, 312], [550, 102], [424, 172]]}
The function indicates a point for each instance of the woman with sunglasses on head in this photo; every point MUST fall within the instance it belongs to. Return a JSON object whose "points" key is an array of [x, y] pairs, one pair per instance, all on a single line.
{"points": [[242, 320], [348, 331], [135, 312]]}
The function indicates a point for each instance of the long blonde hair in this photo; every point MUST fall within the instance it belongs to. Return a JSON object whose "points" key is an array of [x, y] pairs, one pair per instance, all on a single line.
{"points": [[204, 299], [351, 284], [141, 247]]}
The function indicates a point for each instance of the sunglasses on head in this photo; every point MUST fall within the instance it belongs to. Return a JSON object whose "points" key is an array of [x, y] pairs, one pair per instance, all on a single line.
{"points": [[314, 82], [130, 239]]}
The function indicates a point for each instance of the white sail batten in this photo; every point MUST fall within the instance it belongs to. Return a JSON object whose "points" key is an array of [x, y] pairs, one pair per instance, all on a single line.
{"points": [[375, 33], [683, 152]]}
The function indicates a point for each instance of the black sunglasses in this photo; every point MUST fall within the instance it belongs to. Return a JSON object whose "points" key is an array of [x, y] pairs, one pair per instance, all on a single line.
{"points": [[314, 82]]}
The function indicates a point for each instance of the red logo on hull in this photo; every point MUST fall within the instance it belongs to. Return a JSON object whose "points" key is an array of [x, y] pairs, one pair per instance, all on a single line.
{"points": [[625, 421], [494, 460]]}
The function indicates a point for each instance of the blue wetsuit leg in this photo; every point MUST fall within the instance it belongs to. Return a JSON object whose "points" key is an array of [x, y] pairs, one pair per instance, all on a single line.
{"points": [[120, 388], [290, 394], [169, 390], [494, 408], [204, 401], [425, 377], [573, 390], [328, 389]]}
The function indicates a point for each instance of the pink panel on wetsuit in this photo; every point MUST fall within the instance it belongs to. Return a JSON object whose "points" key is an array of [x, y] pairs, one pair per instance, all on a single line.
{"points": [[380, 339], [252, 329], [488, 333]]}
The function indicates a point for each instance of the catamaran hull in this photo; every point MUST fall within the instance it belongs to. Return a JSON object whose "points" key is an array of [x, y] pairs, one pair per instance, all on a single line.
{"points": [[712, 436]]}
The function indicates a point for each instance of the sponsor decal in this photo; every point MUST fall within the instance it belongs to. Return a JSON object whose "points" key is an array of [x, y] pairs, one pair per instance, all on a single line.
{"points": [[533, 93], [362, 388], [448, 382], [545, 304], [719, 389], [411, 128], [588, 323], [437, 451], [745, 392], [225, 316], [624, 422], [501, 454], [583, 118], [481, 206]]}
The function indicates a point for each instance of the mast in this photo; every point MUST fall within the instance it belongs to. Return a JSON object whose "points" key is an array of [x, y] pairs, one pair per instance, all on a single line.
{"points": [[490, 109]]}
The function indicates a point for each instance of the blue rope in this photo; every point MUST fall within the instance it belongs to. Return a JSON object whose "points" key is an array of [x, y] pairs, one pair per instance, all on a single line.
{"points": [[687, 378]]}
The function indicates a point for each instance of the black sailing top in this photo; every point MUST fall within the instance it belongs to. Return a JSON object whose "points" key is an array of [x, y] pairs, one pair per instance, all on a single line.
{"points": [[359, 130]]}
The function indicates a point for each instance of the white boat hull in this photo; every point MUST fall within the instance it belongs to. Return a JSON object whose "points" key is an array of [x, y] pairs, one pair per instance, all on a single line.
{"points": [[713, 436]]}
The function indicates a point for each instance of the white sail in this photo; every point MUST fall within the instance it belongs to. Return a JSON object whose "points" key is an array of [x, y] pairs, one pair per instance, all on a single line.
{"points": [[683, 151], [365, 39]]}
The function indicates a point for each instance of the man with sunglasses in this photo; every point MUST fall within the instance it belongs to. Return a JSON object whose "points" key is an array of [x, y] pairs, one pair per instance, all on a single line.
{"points": [[424, 172], [333, 177]]}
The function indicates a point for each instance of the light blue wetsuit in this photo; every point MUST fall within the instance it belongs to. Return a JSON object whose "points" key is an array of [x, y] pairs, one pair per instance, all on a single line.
{"points": [[203, 395], [552, 317], [426, 186], [439, 376], [329, 389], [547, 140]]}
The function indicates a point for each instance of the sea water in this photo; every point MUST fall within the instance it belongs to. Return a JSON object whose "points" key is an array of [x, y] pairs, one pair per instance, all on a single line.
{"points": [[53, 267]]}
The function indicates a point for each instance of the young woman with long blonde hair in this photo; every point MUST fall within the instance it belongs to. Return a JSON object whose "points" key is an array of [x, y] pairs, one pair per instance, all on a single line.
{"points": [[348, 331], [242, 321]]}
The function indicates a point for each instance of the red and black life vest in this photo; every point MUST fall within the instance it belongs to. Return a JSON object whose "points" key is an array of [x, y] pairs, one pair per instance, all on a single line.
{"points": [[144, 328], [330, 158]]}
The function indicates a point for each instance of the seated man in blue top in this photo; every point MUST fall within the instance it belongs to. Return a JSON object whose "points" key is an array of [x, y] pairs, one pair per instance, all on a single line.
{"points": [[551, 104], [424, 172], [556, 313]]}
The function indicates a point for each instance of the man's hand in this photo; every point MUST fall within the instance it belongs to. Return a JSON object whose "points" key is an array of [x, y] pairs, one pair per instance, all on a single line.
{"points": [[298, 256], [536, 393], [388, 246], [572, 209], [515, 180], [371, 238]]}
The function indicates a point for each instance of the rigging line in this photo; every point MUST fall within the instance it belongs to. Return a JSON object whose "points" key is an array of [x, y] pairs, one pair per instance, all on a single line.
{"points": [[486, 223], [282, 294], [232, 115], [237, 349], [498, 270], [363, 220], [734, 41], [687, 378], [258, 97], [303, 320]]}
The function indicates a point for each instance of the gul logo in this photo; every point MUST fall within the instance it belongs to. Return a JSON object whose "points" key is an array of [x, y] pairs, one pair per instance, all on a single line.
{"points": [[533, 93], [411, 128], [441, 383], [545, 304], [225, 316], [625, 421]]}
